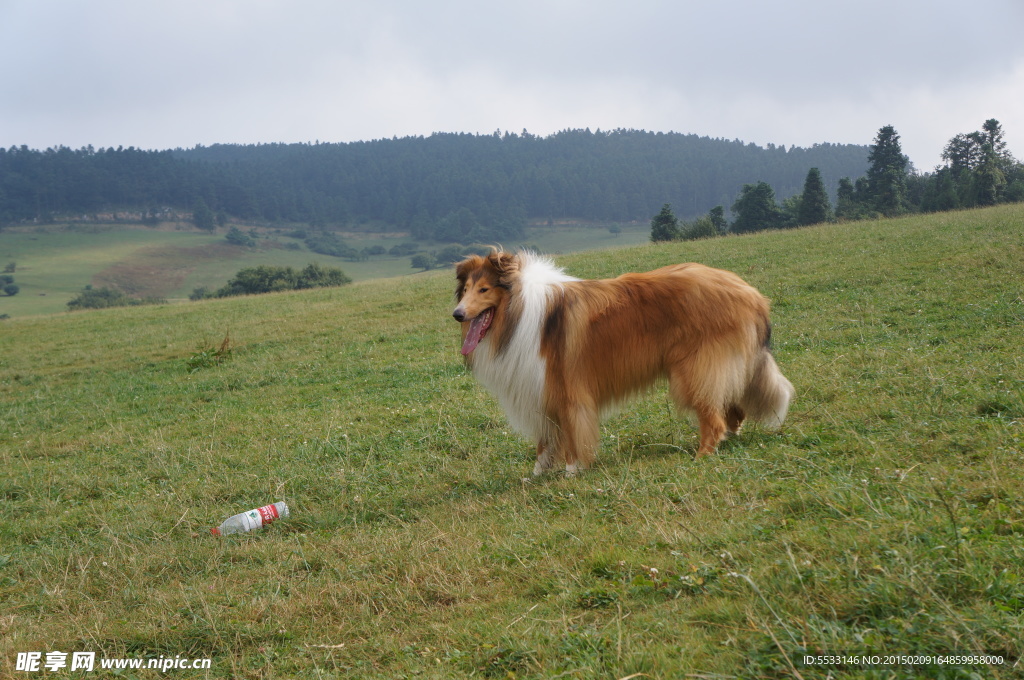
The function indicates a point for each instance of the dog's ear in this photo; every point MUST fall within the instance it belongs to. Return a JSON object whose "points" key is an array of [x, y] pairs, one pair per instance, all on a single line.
{"points": [[503, 263], [462, 270]]}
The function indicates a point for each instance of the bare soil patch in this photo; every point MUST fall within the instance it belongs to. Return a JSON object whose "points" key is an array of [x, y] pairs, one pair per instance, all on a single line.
{"points": [[156, 271]]}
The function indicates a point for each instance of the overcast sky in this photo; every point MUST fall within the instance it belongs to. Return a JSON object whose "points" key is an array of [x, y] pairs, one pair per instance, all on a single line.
{"points": [[160, 74]]}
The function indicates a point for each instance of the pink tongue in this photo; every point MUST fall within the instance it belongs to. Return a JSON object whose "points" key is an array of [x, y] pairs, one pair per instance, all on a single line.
{"points": [[476, 331]]}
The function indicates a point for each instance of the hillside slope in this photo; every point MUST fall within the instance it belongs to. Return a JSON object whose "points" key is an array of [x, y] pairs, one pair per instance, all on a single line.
{"points": [[886, 518], [54, 262]]}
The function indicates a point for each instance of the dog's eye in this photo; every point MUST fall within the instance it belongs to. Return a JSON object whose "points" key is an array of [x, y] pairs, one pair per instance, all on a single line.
{"points": [[484, 289]]}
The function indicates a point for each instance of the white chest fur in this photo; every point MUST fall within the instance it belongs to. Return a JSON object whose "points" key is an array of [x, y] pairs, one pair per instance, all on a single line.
{"points": [[516, 376]]}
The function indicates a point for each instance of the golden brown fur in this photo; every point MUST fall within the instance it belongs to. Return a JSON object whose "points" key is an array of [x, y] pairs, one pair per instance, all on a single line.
{"points": [[602, 342]]}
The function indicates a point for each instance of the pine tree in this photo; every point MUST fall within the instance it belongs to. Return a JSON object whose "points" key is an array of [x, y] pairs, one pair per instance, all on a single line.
{"points": [[995, 161], [665, 226], [717, 217], [962, 153], [977, 163], [989, 177], [814, 204], [202, 216], [887, 174], [756, 209], [846, 207], [992, 135]]}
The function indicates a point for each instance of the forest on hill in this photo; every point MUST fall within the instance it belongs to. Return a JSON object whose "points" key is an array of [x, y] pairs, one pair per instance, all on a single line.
{"points": [[448, 186], [978, 171]]}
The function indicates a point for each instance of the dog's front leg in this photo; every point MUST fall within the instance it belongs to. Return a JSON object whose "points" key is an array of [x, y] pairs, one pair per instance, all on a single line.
{"points": [[544, 459]]}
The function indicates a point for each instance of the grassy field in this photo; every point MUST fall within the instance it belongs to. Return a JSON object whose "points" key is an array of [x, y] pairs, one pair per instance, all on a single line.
{"points": [[54, 262], [887, 518]]}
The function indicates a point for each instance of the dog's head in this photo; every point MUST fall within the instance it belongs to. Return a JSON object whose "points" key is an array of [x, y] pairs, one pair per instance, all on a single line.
{"points": [[483, 285]]}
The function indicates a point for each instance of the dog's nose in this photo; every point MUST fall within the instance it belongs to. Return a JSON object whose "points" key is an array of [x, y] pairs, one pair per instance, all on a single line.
{"points": [[459, 314]]}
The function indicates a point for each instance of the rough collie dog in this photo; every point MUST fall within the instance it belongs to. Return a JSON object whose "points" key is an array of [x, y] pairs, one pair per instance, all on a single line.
{"points": [[558, 352]]}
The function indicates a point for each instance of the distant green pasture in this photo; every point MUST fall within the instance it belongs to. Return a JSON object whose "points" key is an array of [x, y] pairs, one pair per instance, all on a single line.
{"points": [[55, 262]]}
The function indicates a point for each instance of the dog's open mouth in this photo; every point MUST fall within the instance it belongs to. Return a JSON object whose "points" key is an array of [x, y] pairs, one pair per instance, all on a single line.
{"points": [[477, 329]]}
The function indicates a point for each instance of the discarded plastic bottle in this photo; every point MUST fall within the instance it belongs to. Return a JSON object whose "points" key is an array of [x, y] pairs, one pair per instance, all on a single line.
{"points": [[253, 519]]}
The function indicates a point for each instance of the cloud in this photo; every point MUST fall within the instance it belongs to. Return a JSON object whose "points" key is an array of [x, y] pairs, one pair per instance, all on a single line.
{"points": [[159, 75]]}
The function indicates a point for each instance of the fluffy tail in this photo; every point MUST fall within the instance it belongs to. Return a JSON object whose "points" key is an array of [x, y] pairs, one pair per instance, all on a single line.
{"points": [[768, 393]]}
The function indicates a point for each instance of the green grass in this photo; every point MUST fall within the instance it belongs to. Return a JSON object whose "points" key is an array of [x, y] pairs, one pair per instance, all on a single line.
{"points": [[886, 518], [54, 262]]}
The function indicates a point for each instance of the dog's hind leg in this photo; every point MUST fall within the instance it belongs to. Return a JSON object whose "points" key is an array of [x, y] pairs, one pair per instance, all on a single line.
{"points": [[712, 429], [708, 403], [734, 417]]}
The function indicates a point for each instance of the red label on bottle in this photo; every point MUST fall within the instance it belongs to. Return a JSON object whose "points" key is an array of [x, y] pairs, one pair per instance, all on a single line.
{"points": [[268, 513]]}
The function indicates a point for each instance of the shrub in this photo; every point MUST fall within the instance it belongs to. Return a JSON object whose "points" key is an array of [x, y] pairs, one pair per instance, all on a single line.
{"points": [[271, 279], [403, 249], [317, 276], [449, 255], [702, 227], [423, 261], [237, 237], [327, 243], [7, 285], [100, 298], [260, 279]]}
